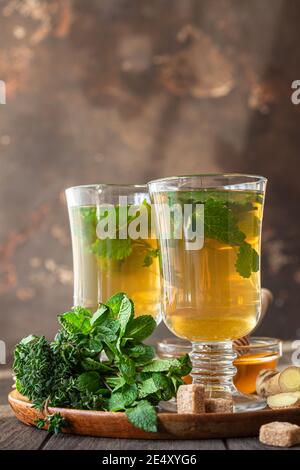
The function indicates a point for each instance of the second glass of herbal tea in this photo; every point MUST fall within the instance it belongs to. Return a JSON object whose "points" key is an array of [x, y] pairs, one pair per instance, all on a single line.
{"points": [[114, 249], [209, 230]]}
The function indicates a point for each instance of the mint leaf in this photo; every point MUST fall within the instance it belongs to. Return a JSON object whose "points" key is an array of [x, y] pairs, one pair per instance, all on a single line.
{"points": [[152, 385], [108, 331], [220, 223], [114, 302], [149, 256], [117, 249], [95, 344], [183, 368], [90, 364], [76, 321], [140, 327], [141, 353], [123, 397], [115, 382], [247, 260], [125, 314], [161, 365], [89, 381], [127, 369], [143, 416], [100, 315]]}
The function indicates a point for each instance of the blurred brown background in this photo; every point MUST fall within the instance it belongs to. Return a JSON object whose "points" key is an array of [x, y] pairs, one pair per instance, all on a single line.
{"points": [[129, 90]]}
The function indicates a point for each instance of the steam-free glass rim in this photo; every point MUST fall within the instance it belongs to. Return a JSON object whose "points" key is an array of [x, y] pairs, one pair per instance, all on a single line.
{"points": [[107, 185], [249, 179], [89, 193]]}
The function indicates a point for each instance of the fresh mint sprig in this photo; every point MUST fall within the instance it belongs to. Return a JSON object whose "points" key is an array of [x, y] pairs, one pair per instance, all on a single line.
{"points": [[98, 362]]}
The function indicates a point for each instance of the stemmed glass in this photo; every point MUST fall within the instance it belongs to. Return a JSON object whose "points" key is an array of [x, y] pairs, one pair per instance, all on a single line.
{"points": [[120, 259], [209, 230]]}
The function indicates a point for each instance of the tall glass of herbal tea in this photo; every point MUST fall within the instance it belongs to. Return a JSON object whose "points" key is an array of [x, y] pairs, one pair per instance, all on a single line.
{"points": [[209, 230], [114, 248]]}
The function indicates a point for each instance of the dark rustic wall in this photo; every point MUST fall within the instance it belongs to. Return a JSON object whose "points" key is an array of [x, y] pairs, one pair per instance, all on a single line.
{"points": [[128, 90]]}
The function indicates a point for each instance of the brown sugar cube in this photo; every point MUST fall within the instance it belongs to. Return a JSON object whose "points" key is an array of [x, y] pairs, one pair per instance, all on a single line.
{"points": [[218, 405], [190, 399], [279, 434]]}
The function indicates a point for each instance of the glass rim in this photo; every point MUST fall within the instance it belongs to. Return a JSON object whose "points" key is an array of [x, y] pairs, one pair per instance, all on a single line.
{"points": [[256, 178], [107, 185]]}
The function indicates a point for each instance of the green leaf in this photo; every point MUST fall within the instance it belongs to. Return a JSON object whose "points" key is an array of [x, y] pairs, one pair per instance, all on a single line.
{"points": [[100, 315], [91, 364], [141, 353], [95, 344], [88, 381], [247, 260], [141, 327], [156, 382], [125, 314], [56, 423], [127, 369], [115, 382], [183, 368], [143, 416], [220, 223], [114, 302], [149, 256], [108, 331], [117, 249], [76, 321], [122, 398], [161, 365]]}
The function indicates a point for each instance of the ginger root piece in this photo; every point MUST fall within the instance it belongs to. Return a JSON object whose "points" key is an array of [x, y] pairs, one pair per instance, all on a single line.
{"points": [[283, 400], [190, 399], [270, 381], [289, 379], [218, 405], [279, 434]]}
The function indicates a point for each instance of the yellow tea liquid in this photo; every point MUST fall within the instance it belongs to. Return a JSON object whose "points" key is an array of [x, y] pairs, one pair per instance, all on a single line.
{"points": [[213, 293], [104, 267]]}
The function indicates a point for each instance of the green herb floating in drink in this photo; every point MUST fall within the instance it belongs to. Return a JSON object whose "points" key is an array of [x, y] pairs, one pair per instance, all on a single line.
{"points": [[223, 213], [98, 362], [116, 248]]}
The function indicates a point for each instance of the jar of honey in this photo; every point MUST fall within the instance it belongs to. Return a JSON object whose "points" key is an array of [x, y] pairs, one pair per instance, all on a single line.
{"points": [[260, 353]]}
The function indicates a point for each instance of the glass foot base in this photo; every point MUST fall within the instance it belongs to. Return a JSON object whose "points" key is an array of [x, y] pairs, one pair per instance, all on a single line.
{"points": [[241, 403]]}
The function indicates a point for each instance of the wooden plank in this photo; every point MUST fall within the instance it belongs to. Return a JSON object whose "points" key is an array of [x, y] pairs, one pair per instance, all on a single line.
{"points": [[17, 436], [63, 442], [252, 443]]}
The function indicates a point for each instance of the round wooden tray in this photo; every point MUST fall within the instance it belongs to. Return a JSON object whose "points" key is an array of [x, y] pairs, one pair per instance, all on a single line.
{"points": [[170, 425]]}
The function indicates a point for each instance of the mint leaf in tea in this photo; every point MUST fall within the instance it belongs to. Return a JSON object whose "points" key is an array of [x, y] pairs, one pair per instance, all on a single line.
{"points": [[103, 266]]}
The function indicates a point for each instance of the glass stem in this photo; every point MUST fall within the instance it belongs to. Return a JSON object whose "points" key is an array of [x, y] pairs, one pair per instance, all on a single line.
{"points": [[213, 367]]}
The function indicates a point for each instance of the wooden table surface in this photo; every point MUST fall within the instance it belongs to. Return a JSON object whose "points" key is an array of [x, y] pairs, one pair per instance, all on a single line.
{"points": [[15, 435]]}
